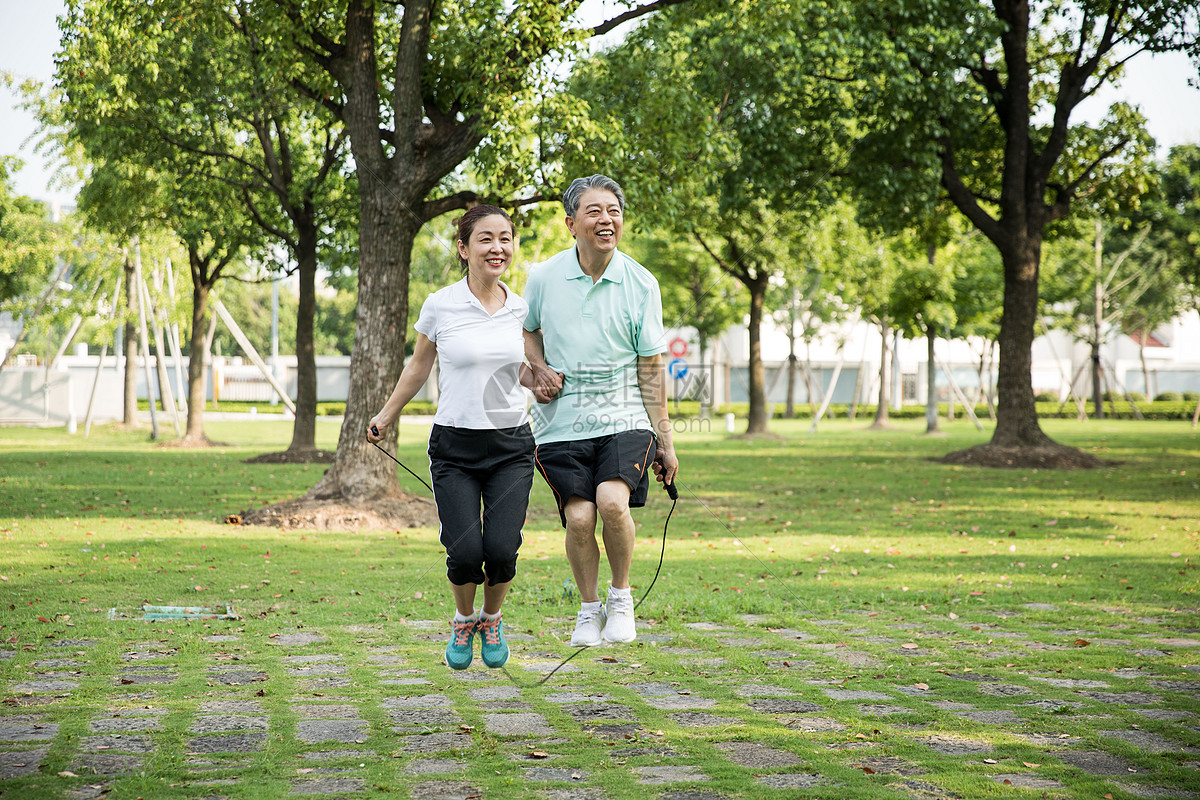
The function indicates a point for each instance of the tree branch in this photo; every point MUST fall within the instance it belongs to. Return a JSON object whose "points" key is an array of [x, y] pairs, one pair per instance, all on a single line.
{"points": [[963, 198], [633, 13]]}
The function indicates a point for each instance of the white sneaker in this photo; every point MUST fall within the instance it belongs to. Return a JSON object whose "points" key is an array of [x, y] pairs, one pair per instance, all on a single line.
{"points": [[588, 624], [620, 626]]}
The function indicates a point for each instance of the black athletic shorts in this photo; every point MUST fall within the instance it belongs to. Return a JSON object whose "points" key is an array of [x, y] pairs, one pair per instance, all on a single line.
{"points": [[575, 469]]}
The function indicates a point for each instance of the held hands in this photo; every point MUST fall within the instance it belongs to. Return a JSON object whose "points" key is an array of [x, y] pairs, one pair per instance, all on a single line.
{"points": [[546, 384]]}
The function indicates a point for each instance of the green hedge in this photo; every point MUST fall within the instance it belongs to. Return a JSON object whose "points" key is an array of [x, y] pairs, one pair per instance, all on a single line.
{"points": [[1048, 410]]}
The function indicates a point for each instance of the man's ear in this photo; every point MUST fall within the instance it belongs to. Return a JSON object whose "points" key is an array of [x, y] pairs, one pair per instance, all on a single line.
{"points": [[570, 225]]}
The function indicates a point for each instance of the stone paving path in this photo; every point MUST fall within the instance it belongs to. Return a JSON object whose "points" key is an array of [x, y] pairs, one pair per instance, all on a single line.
{"points": [[855, 696]]}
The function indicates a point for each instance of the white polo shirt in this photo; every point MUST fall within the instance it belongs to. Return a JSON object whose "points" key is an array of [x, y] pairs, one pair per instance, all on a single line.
{"points": [[479, 358]]}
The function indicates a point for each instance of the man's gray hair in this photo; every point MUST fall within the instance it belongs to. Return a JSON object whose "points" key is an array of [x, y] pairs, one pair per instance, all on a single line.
{"points": [[578, 186]]}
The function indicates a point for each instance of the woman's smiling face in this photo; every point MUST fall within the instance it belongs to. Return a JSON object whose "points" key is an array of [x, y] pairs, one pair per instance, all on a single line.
{"points": [[490, 249]]}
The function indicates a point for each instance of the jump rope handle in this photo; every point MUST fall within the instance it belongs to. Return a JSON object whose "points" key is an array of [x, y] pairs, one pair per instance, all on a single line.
{"points": [[672, 492], [374, 430]]}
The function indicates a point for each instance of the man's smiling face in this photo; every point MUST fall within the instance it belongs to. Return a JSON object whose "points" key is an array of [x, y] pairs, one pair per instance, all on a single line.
{"points": [[597, 223]]}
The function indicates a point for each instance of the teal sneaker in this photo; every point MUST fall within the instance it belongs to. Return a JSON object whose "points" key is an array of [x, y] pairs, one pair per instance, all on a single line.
{"points": [[494, 649], [461, 648]]}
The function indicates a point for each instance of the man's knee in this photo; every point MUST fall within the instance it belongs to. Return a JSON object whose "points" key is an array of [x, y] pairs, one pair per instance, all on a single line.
{"points": [[581, 517], [612, 501]]}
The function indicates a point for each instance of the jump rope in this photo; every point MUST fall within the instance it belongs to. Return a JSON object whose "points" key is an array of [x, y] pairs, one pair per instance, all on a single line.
{"points": [[672, 492]]}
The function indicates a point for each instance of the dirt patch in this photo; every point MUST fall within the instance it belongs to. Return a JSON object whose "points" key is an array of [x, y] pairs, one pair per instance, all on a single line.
{"points": [[1043, 457], [308, 456], [389, 513], [191, 442]]}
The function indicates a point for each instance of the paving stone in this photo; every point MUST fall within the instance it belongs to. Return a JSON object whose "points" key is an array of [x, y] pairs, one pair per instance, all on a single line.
{"points": [[955, 746], [576, 697], [435, 766], [328, 786], [312, 658], [784, 706], [116, 743], [992, 717], [1004, 689], [857, 659], [1139, 790], [1123, 698], [231, 707], [418, 701], [973, 677], [238, 677], [496, 693], [644, 752], [791, 780], [327, 711], [55, 663], [884, 710], [225, 723], [613, 733], [585, 712], [332, 755], [1165, 714], [296, 639], [1150, 652], [706, 626], [36, 687], [423, 718], [762, 690], [666, 773], [553, 774], [222, 637], [326, 730], [145, 679], [697, 719], [124, 724], [322, 684], [816, 725], [436, 743], [1175, 641], [740, 642], [889, 765], [519, 724], [680, 702], [1096, 762], [950, 705], [105, 764], [855, 694], [14, 763], [1071, 683], [444, 790], [1176, 686], [233, 743], [309, 670], [405, 682], [654, 689], [1150, 742], [757, 756], [691, 794], [1050, 704], [84, 643], [575, 793], [1025, 780], [1049, 739], [26, 728]]}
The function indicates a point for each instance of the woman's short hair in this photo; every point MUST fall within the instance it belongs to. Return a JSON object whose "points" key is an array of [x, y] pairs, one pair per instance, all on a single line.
{"points": [[578, 186]]}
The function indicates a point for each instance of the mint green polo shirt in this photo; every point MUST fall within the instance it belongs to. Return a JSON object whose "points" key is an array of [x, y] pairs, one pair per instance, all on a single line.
{"points": [[593, 334]]}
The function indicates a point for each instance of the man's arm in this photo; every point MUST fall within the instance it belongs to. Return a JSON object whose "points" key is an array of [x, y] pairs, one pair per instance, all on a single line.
{"points": [[652, 381], [546, 382]]}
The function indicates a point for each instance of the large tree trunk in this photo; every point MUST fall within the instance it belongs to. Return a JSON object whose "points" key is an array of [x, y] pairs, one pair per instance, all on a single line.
{"points": [[197, 362], [758, 395], [1016, 415], [304, 430], [360, 472], [131, 345]]}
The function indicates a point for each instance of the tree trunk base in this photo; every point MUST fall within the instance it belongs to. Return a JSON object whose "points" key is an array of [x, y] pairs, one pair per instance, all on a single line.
{"points": [[1044, 456], [192, 441], [390, 512], [307, 455]]}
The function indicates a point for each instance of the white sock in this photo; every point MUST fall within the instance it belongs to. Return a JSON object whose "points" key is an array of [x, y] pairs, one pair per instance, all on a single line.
{"points": [[460, 618], [615, 592], [483, 615]]}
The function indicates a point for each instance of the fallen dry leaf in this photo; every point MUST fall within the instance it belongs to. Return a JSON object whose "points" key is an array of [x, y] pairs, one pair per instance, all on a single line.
{"points": [[1031, 766]]}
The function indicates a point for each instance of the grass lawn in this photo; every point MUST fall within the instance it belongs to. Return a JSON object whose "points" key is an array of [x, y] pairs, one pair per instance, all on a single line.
{"points": [[796, 528]]}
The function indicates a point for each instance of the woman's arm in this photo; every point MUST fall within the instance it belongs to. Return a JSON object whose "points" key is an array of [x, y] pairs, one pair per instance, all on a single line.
{"points": [[415, 373]]}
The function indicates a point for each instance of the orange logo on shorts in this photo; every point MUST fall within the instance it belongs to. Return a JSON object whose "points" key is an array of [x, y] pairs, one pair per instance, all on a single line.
{"points": [[637, 466]]}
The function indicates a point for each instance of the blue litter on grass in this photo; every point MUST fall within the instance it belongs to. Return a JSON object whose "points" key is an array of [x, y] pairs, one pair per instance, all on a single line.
{"points": [[152, 613]]}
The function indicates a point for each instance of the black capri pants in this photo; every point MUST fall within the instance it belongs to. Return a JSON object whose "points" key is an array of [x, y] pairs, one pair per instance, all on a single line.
{"points": [[473, 468]]}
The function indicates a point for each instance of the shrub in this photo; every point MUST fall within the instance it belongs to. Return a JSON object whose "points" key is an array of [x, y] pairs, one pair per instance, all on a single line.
{"points": [[1046, 397], [1168, 397], [1191, 397]]}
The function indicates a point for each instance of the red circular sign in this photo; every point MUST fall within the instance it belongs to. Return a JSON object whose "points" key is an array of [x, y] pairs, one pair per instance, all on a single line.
{"points": [[678, 347]]}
